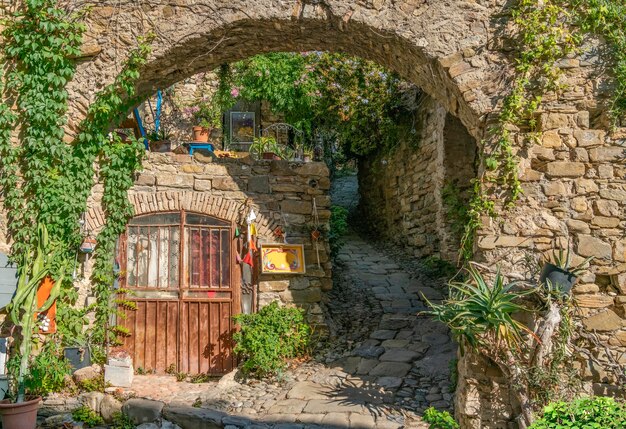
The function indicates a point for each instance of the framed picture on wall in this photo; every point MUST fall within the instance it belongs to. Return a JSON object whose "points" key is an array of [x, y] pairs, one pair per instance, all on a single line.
{"points": [[242, 127], [282, 259]]}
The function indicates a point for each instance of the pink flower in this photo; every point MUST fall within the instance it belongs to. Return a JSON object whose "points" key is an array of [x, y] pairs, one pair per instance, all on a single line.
{"points": [[234, 92]]}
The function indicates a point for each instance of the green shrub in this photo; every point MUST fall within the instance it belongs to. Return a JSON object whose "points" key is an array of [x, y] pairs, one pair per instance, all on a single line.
{"points": [[48, 371], [338, 228], [439, 419], [586, 413], [88, 416], [95, 384], [270, 337], [122, 421]]}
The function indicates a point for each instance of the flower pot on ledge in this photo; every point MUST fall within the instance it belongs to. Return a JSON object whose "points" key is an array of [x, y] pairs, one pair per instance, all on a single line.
{"points": [[201, 134], [271, 155]]}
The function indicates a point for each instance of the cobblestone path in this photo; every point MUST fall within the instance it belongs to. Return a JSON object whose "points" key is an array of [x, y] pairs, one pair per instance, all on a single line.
{"points": [[384, 365]]}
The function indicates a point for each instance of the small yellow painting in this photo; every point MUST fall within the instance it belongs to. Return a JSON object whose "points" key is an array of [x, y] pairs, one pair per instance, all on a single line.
{"points": [[282, 259]]}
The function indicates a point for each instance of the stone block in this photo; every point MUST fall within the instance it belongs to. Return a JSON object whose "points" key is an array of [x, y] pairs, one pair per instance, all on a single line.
{"points": [[605, 222], [581, 154], [87, 373], [174, 180], [118, 376], [617, 194], [585, 288], [565, 169], [606, 171], [313, 169], [202, 185], [578, 226], [551, 139], [553, 120], [579, 204], [302, 296], [296, 207], [585, 138], [259, 184], [554, 189], [594, 301], [225, 184], [391, 369], [585, 186], [603, 322], [606, 207], [143, 410], [108, 407], [592, 246], [610, 154], [91, 400], [145, 179], [273, 286], [192, 418], [192, 168]]}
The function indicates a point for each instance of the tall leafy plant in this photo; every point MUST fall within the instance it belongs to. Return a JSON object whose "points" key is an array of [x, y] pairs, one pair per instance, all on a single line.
{"points": [[23, 307]]}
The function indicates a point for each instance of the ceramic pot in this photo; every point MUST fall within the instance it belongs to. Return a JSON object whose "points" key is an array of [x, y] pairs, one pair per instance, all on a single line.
{"points": [[559, 277], [270, 155], [201, 134], [21, 415]]}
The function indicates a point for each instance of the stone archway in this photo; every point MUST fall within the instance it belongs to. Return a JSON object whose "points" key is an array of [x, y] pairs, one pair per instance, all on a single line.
{"points": [[440, 47], [573, 181]]}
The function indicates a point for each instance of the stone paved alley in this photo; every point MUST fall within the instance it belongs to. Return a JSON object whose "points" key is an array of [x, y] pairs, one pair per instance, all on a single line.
{"points": [[383, 366]]}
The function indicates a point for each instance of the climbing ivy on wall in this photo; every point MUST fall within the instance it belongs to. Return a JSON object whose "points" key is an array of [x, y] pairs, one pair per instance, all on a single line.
{"points": [[45, 179], [546, 32]]}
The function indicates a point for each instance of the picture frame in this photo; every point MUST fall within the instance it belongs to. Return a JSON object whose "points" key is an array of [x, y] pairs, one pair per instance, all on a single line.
{"points": [[281, 258]]}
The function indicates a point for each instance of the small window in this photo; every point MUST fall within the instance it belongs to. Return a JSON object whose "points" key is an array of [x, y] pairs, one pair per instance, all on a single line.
{"points": [[158, 244], [242, 130]]}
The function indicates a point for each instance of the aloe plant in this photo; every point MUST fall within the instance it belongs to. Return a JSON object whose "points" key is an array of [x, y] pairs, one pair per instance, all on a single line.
{"points": [[563, 258], [23, 307]]}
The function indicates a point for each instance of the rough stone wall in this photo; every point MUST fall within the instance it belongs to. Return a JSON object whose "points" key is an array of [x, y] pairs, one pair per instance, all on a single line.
{"points": [[575, 191], [401, 189], [282, 194]]}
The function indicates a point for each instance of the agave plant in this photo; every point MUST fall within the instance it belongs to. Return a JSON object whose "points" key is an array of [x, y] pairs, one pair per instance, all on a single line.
{"points": [[563, 258], [481, 313], [23, 307]]}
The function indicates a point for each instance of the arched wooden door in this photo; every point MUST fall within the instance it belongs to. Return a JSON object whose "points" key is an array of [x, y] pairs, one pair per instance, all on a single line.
{"points": [[179, 267]]}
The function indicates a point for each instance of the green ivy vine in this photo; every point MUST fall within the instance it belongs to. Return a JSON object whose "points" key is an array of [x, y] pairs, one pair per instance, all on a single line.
{"points": [[546, 32], [45, 179]]}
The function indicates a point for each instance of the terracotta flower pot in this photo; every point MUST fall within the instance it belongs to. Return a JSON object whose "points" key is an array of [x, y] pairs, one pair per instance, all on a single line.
{"points": [[20, 416], [201, 134], [270, 155]]}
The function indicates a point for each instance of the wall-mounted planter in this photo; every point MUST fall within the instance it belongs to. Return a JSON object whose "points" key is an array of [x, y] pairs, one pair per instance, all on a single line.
{"points": [[79, 357], [559, 277]]}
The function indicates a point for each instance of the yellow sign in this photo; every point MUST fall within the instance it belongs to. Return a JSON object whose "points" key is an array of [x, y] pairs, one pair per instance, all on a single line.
{"points": [[282, 259]]}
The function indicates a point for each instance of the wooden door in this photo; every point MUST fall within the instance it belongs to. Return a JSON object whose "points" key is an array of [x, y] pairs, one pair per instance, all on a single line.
{"points": [[179, 268]]}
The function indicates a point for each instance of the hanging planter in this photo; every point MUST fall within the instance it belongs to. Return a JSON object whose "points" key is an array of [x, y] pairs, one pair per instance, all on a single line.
{"points": [[88, 245], [558, 277], [559, 274]]}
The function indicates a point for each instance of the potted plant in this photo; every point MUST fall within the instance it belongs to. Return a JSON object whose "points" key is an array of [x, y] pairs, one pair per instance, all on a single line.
{"points": [[559, 272], [207, 115], [41, 265], [308, 155], [159, 140], [266, 148]]}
